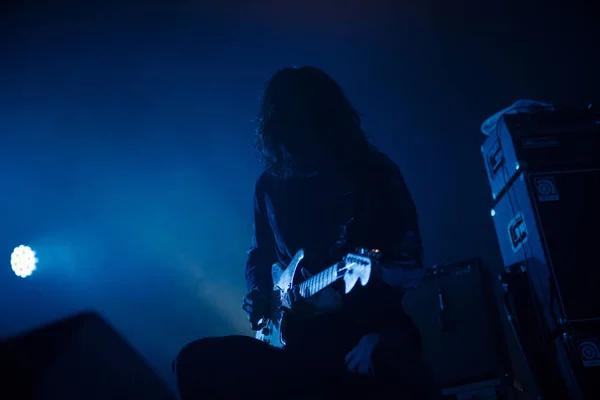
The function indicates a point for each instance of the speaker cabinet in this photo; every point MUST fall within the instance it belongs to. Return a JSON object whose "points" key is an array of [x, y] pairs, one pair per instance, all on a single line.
{"points": [[456, 313]]}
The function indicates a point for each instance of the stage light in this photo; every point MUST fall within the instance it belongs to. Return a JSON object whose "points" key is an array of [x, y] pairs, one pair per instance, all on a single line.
{"points": [[23, 261]]}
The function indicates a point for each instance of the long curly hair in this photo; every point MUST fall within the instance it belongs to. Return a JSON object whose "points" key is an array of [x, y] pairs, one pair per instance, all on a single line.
{"points": [[305, 122]]}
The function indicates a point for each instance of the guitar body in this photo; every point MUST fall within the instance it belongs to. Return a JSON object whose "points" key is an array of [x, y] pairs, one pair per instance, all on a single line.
{"points": [[283, 278], [353, 269]]}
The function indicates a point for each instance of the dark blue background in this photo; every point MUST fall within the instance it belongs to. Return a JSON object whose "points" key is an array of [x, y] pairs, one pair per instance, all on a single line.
{"points": [[126, 154]]}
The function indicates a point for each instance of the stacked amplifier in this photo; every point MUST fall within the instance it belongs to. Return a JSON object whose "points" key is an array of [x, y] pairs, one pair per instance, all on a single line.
{"points": [[544, 171]]}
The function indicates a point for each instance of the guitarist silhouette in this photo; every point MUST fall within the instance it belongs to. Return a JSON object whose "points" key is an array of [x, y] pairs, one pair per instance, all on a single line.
{"points": [[326, 312]]}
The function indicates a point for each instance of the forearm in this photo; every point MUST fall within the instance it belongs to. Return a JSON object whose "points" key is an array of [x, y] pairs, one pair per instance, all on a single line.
{"points": [[404, 270], [258, 270], [261, 254], [400, 276]]}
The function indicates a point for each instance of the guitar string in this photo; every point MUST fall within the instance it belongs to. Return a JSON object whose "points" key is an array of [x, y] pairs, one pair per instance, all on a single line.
{"points": [[319, 281]]}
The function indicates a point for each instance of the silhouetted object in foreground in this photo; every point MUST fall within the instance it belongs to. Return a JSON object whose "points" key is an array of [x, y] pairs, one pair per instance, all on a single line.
{"points": [[77, 358]]}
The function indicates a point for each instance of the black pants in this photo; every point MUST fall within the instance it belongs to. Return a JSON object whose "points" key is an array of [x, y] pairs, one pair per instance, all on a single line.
{"points": [[237, 367]]}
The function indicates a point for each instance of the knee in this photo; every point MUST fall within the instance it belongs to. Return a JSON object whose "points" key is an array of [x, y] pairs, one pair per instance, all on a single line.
{"points": [[200, 355], [190, 370], [189, 353]]}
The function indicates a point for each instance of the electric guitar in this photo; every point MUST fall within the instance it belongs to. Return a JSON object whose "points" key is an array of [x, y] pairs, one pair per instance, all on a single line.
{"points": [[354, 267]]}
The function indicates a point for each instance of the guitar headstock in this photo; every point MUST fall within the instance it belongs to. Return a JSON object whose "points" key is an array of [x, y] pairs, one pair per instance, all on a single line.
{"points": [[359, 266]]}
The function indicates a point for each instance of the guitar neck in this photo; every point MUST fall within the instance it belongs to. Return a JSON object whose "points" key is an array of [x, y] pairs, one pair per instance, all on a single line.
{"points": [[319, 281]]}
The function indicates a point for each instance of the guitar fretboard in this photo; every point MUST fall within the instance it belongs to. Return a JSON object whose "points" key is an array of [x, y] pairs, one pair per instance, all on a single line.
{"points": [[320, 281]]}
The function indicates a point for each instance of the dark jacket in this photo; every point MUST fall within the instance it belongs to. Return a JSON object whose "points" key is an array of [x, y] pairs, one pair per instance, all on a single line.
{"points": [[366, 204]]}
